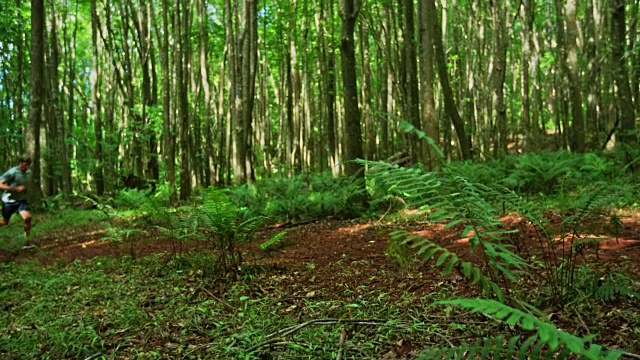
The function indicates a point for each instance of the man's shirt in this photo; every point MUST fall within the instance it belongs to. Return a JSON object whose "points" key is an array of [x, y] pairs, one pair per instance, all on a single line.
{"points": [[14, 178]]}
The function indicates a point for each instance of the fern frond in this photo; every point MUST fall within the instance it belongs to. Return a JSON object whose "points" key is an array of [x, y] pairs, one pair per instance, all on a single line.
{"points": [[548, 334], [274, 241]]}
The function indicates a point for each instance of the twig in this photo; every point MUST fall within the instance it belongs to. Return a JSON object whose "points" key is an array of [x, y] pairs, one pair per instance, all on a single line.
{"points": [[445, 338], [581, 321], [291, 329], [218, 299], [627, 354], [93, 356], [343, 337], [272, 342]]}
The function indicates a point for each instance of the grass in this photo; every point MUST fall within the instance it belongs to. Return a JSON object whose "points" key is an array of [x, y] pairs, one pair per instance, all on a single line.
{"points": [[153, 308]]}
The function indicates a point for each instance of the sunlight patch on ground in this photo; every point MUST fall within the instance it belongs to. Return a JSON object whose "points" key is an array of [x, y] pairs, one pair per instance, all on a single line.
{"points": [[90, 243], [354, 228], [604, 242]]}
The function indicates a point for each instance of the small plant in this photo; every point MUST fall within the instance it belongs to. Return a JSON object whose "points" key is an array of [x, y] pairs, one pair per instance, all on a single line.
{"points": [[273, 242], [119, 236], [217, 221], [548, 341]]}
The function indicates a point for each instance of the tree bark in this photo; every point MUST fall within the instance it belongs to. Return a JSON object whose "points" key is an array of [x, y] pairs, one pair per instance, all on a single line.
{"points": [[449, 101], [169, 154], [413, 94], [498, 77], [625, 99], [427, 76], [353, 149], [37, 96], [574, 77], [181, 33], [96, 100]]}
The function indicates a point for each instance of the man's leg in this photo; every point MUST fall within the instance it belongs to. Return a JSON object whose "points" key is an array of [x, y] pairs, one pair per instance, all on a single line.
{"points": [[7, 211], [26, 215]]}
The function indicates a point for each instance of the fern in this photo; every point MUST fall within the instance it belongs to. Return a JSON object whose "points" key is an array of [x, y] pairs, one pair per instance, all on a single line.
{"points": [[547, 337], [274, 241], [215, 220], [448, 261], [455, 201]]}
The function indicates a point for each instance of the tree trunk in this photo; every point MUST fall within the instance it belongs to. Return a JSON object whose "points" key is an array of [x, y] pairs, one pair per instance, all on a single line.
{"points": [[429, 116], [204, 74], [249, 66], [168, 150], [37, 96], [621, 74], [413, 95], [353, 149], [498, 77], [574, 77], [96, 99], [449, 101], [67, 184], [53, 113], [181, 32]]}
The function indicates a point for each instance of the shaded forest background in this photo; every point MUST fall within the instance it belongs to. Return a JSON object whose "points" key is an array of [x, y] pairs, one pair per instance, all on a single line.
{"points": [[198, 93]]}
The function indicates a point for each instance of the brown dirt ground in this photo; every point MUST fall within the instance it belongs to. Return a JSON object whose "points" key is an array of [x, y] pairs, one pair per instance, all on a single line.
{"points": [[350, 255]]}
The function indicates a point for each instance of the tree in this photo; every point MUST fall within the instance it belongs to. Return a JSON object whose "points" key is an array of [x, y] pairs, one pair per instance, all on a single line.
{"points": [[429, 116], [411, 62], [169, 152], [353, 146], [96, 99], [181, 48], [435, 33], [37, 95], [625, 99], [574, 79]]}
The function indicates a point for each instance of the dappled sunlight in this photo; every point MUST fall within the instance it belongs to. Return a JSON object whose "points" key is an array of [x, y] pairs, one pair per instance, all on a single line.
{"points": [[355, 228], [605, 242], [84, 244]]}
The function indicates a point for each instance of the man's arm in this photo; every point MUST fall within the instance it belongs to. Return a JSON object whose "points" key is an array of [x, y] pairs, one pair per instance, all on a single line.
{"points": [[7, 178]]}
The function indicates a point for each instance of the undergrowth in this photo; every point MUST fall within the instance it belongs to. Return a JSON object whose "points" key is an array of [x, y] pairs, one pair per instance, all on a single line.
{"points": [[474, 210]]}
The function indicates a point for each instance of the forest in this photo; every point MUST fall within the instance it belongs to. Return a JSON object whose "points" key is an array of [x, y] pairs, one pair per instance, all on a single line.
{"points": [[321, 179]]}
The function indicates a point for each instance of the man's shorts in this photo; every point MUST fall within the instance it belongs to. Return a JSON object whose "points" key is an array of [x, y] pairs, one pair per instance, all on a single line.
{"points": [[8, 209]]}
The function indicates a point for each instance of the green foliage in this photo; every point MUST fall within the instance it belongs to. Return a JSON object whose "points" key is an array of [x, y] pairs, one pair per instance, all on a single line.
{"points": [[456, 202], [545, 172], [298, 198], [131, 198], [216, 220], [585, 217], [548, 338], [273, 242], [428, 250]]}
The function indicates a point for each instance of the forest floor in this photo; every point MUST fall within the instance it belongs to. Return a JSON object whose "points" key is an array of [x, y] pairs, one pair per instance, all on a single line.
{"points": [[345, 259]]}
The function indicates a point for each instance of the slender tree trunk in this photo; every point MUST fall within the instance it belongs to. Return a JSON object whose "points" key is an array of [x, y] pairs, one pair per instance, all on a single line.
{"points": [[53, 114], [203, 51], [20, 62], [153, 166], [330, 97], [349, 13], [413, 94], [67, 184], [574, 77], [96, 99], [37, 96], [621, 74], [449, 101], [248, 70], [169, 145], [181, 31], [498, 77], [427, 76]]}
